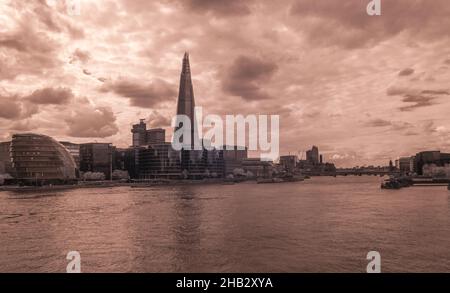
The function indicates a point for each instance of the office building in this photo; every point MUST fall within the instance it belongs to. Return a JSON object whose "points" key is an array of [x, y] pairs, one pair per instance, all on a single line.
{"points": [[312, 156], [74, 150], [144, 137], [427, 157], [5, 158], [159, 161], [97, 158], [186, 101], [233, 158], [39, 159], [258, 168], [404, 165], [288, 163], [127, 160]]}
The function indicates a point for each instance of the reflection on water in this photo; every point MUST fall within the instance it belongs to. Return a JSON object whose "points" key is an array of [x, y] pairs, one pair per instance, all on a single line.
{"points": [[321, 225]]}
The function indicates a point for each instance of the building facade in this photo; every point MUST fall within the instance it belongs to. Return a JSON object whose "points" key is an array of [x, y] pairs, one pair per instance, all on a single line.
{"points": [[258, 168], [312, 156], [127, 160], [404, 165], [430, 157], [143, 136], [5, 158], [435, 171], [233, 158], [159, 161], [288, 163], [186, 101], [74, 150], [156, 136], [97, 158], [39, 159]]}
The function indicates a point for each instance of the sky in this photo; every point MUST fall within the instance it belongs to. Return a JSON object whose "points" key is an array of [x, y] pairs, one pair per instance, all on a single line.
{"points": [[364, 89]]}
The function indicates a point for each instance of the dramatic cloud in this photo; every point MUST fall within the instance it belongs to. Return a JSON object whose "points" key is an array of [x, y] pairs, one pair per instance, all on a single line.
{"points": [[25, 51], [324, 66], [22, 126], [141, 94], [417, 102], [80, 56], [31, 44], [406, 72], [90, 122], [51, 96], [247, 76], [436, 92], [220, 7], [9, 108], [346, 23], [14, 107], [378, 123], [416, 98], [157, 120]]}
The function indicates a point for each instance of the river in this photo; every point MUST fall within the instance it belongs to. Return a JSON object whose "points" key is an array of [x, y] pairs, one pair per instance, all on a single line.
{"points": [[321, 225]]}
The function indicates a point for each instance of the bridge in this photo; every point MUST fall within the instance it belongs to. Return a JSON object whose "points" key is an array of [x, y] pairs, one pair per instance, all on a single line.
{"points": [[365, 172]]}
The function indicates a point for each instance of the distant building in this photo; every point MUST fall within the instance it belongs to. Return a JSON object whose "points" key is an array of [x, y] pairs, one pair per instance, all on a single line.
{"points": [[429, 157], [186, 100], [74, 150], [156, 136], [97, 157], [432, 170], [139, 134], [39, 159], [314, 165], [411, 164], [258, 167], [214, 163], [5, 158], [289, 163], [313, 155], [404, 165], [154, 158], [143, 136], [127, 160], [391, 166], [158, 161], [233, 158]]}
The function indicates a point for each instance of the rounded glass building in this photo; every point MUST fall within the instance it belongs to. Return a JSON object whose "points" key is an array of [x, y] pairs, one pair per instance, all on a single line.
{"points": [[39, 159]]}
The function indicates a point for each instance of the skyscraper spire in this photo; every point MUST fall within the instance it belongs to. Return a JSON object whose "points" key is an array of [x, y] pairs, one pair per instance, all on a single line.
{"points": [[186, 101], [186, 66]]}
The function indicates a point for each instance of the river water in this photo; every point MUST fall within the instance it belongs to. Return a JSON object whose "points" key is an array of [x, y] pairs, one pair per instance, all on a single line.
{"points": [[320, 225]]}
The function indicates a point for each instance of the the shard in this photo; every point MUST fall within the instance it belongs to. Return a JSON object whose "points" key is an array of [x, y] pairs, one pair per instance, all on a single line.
{"points": [[186, 101]]}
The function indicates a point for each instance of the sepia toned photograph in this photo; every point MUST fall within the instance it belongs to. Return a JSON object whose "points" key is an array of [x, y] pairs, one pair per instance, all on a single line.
{"points": [[224, 136]]}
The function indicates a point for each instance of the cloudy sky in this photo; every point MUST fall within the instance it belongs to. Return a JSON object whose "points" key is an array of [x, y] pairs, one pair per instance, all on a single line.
{"points": [[363, 89]]}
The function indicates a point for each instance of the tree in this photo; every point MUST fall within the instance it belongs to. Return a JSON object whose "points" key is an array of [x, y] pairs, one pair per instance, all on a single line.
{"points": [[120, 175], [93, 176]]}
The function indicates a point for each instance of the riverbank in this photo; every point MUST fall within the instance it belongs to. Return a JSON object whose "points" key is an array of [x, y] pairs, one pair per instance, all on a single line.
{"points": [[109, 184]]}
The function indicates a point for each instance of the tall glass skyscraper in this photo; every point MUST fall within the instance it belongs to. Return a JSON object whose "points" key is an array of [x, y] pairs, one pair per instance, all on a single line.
{"points": [[186, 101]]}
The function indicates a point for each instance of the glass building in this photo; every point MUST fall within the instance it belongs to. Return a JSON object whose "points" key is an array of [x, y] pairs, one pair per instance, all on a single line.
{"points": [[39, 159]]}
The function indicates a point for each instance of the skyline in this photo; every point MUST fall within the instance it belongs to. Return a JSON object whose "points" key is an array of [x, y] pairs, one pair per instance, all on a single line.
{"points": [[363, 98]]}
